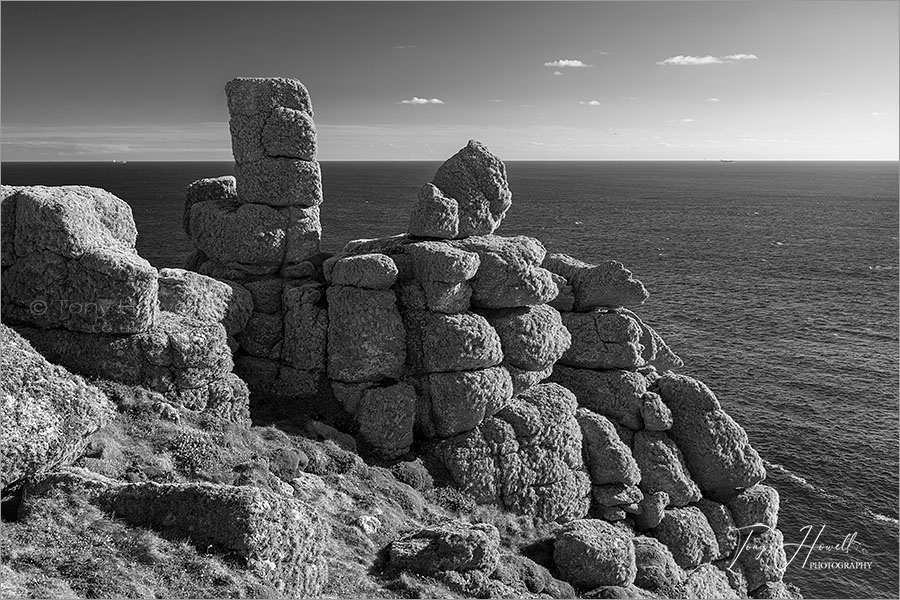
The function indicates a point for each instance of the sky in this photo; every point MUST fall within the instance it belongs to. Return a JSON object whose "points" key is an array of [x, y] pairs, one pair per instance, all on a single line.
{"points": [[738, 80]]}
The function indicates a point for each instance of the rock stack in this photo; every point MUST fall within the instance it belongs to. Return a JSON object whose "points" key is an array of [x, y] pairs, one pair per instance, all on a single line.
{"points": [[261, 229], [75, 287], [441, 337]]}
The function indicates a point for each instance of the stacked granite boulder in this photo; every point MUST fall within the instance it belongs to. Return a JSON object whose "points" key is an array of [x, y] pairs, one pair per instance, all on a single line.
{"points": [[261, 228], [440, 338], [75, 287]]}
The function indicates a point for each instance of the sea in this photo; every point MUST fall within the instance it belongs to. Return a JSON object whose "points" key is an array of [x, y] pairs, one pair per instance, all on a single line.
{"points": [[776, 282]]}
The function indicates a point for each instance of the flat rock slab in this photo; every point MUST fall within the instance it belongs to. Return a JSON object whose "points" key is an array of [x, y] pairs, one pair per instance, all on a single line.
{"points": [[452, 546], [280, 539]]}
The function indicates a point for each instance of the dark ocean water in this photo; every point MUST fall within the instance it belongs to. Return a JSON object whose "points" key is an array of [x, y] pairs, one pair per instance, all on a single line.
{"points": [[777, 283]]}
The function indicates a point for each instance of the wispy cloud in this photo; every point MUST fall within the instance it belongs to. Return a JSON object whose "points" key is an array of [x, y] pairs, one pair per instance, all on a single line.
{"points": [[713, 100], [590, 102], [688, 120], [573, 63], [407, 47], [496, 100], [693, 61], [557, 72], [417, 100]]}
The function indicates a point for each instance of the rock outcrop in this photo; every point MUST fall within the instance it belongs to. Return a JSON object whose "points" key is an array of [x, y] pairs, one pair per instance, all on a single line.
{"points": [[47, 412], [522, 378], [75, 287]]}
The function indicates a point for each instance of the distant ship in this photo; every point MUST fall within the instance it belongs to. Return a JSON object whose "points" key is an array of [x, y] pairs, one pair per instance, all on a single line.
{"points": [[120, 162], [726, 160]]}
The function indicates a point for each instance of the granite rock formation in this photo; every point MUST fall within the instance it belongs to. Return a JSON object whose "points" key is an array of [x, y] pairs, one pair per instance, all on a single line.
{"points": [[47, 412], [75, 287], [520, 377]]}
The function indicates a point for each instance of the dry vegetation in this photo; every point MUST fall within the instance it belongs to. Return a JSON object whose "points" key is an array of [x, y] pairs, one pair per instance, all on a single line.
{"points": [[61, 545]]}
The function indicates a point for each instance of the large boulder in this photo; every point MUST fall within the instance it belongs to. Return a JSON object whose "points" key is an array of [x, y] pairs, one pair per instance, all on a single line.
{"points": [[617, 395], [607, 458], [255, 234], [590, 553], [708, 581], [188, 361], [606, 285], [203, 298], [510, 274], [435, 215], [371, 271], [451, 342], [722, 524], [47, 412], [211, 188], [763, 558], [533, 337], [74, 263], [716, 449], [755, 509], [456, 402], [657, 570], [603, 340], [688, 535], [476, 179], [526, 458], [273, 139], [366, 338], [663, 469], [452, 546], [278, 538], [385, 418]]}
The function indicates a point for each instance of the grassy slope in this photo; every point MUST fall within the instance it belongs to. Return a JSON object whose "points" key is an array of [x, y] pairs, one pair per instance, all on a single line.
{"points": [[63, 546]]}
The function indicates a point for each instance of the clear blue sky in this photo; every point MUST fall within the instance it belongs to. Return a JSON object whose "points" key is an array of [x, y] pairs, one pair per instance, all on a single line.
{"points": [[662, 80]]}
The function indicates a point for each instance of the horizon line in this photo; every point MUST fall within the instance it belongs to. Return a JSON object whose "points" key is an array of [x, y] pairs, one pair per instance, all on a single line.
{"points": [[365, 160]]}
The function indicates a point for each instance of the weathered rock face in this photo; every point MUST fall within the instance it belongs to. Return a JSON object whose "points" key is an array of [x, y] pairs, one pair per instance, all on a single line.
{"points": [[468, 195], [526, 458], [510, 274], [716, 449], [74, 264], [686, 532], [607, 285], [755, 509], [707, 581], [188, 361], [662, 468], [274, 142], [453, 546], [47, 412], [205, 299], [590, 553], [657, 570], [281, 539]]}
